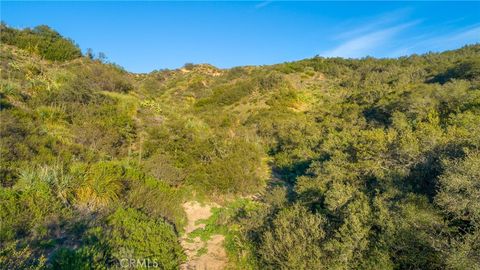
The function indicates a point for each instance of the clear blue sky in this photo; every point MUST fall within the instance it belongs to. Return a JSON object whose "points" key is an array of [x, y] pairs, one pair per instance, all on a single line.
{"points": [[143, 36]]}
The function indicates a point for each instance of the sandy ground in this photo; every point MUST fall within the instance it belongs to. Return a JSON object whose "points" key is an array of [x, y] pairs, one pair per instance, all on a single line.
{"points": [[215, 258]]}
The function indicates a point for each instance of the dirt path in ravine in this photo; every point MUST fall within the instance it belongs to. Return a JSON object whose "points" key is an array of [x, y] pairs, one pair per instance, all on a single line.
{"points": [[209, 255]]}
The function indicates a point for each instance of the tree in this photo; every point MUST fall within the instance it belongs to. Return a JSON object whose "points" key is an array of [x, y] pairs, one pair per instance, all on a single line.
{"points": [[459, 188], [294, 240]]}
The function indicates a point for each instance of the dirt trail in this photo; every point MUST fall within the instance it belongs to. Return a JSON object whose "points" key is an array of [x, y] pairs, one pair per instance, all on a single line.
{"points": [[215, 257]]}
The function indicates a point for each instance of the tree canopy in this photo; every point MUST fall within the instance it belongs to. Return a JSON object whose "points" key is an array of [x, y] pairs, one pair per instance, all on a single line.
{"points": [[323, 163]]}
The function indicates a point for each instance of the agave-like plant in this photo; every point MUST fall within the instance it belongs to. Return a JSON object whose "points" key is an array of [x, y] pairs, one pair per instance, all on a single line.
{"points": [[101, 186], [60, 182]]}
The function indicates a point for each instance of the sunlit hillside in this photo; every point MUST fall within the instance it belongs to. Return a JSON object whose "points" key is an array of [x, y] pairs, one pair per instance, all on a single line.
{"points": [[322, 163]]}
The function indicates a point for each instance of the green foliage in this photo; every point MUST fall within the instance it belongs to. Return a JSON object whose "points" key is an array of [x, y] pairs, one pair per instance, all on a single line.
{"points": [[294, 240], [459, 189], [465, 252], [157, 199], [80, 259], [132, 233], [227, 95], [28, 207], [41, 40], [13, 257], [101, 185], [349, 163], [188, 153], [466, 70]]}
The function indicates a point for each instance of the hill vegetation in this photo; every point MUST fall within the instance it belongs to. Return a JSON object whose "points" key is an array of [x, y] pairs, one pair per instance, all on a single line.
{"points": [[323, 163], [41, 40]]}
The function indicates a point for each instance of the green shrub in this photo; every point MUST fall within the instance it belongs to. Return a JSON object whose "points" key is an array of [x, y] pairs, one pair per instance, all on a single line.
{"points": [[133, 235], [41, 40], [458, 189], [293, 241]]}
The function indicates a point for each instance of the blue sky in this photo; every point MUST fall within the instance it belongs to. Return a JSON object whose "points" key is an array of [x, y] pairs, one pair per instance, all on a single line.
{"points": [[143, 36]]}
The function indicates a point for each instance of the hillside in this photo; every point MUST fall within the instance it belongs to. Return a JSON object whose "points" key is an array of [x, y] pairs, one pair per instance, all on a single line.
{"points": [[323, 163]]}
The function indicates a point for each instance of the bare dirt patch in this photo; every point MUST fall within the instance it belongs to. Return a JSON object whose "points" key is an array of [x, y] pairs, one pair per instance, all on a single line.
{"points": [[201, 255]]}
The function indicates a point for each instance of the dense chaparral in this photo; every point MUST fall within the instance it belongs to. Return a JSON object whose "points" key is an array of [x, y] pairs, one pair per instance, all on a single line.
{"points": [[322, 163]]}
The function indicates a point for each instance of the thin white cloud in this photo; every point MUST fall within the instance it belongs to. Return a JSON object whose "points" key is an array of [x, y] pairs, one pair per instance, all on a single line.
{"points": [[371, 24], [262, 4], [367, 43], [383, 36], [469, 35], [464, 36], [435, 42]]}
